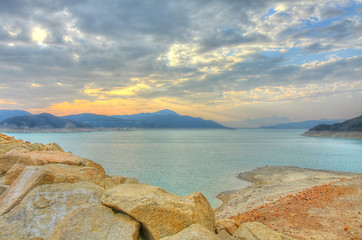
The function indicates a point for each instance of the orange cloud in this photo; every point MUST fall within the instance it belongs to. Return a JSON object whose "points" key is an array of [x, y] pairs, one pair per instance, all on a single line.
{"points": [[7, 102]]}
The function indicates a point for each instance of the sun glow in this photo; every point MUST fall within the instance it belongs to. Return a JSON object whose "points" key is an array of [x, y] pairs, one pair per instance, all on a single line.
{"points": [[39, 35]]}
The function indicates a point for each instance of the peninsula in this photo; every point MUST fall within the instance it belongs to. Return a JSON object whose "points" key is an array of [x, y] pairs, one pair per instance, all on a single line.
{"points": [[348, 129]]}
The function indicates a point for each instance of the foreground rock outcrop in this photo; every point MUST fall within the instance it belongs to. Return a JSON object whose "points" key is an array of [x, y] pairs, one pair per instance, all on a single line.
{"points": [[161, 213], [46, 193]]}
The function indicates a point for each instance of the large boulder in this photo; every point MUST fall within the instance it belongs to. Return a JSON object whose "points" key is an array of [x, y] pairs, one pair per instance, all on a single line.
{"points": [[30, 178], [258, 231], [161, 213], [194, 232], [37, 158], [95, 221], [44, 207]]}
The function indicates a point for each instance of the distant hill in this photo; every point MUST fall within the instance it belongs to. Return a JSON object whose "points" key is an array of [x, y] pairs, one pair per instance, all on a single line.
{"points": [[40, 121], [145, 116], [162, 119], [178, 121], [5, 114], [257, 122], [348, 129], [302, 125], [103, 121]]}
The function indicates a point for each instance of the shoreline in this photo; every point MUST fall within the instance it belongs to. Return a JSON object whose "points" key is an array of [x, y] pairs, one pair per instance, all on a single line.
{"points": [[333, 134], [270, 183]]}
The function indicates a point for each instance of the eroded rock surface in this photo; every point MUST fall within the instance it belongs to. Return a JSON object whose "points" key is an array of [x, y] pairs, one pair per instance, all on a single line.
{"points": [[44, 207], [95, 221], [194, 232], [161, 213]]}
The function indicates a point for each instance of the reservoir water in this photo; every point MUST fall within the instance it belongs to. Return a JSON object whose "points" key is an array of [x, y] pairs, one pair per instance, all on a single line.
{"points": [[184, 161]]}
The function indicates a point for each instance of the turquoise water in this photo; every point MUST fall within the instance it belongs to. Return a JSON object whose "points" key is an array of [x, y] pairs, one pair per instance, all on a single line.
{"points": [[184, 161]]}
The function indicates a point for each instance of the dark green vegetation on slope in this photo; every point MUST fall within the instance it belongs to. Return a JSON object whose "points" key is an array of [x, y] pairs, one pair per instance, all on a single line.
{"points": [[40, 121], [5, 114], [348, 129], [354, 124]]}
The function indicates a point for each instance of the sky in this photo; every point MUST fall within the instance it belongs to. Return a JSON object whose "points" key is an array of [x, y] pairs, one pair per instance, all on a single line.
{"points": [[225, 60]]}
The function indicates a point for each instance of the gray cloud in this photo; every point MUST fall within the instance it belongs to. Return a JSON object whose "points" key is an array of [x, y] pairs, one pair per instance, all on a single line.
{"points": [[109, 44]]}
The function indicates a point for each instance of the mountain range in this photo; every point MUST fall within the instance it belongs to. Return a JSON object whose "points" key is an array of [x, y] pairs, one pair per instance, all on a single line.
{"points": [[303, 125], [15, 119], [5, 114], [257, 122], [40, 121]]}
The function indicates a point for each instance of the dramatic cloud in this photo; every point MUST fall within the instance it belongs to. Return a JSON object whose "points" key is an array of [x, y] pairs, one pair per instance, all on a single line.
{"points": [[204, 58]]}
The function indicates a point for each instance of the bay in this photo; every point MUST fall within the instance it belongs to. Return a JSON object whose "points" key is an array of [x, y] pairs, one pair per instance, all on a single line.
{"points": [[184, 161]]}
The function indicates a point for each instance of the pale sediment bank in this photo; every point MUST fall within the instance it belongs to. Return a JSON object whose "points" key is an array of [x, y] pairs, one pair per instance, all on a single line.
{"points": [[270, 183], [334, 134]]}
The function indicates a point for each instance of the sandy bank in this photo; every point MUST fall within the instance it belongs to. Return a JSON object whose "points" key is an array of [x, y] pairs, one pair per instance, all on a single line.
{"points": [[269, 184], [333, 134]]}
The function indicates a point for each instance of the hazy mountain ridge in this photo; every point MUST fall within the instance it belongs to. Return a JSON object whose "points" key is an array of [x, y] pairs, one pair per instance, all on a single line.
{"points": [[257, 122], [144, 116], [303, 125], [103, 121], [5, 114], [162, 119], [40, 121]]}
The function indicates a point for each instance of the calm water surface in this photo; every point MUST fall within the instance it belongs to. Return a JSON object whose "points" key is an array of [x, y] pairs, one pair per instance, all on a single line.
{"points": [[184, 161]]}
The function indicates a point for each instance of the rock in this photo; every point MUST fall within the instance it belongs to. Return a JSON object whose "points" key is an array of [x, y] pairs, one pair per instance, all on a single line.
{"points": [[71, 174], [194, 232], [224, 235], [95, 221], [226, 224], [8, 143], [46, 147], [44, 207], [258, 231], [13, 173], [203, 212], [33, 176], [132, 181], [3, 188], [161, 213], [112, 181], [30, 178], [36, 158]]}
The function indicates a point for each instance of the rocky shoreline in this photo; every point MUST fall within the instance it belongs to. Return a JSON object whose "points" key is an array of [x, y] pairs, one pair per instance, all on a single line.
{"points": [[297, 188], [47, 193]]}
